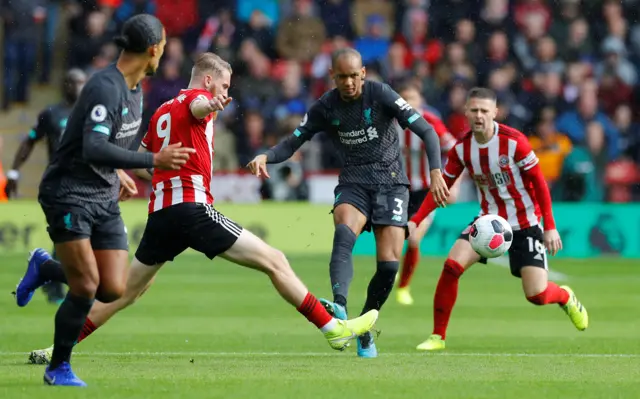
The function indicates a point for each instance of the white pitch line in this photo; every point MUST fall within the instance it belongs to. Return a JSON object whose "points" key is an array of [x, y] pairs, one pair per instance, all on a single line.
{"points": [[327, 354]]}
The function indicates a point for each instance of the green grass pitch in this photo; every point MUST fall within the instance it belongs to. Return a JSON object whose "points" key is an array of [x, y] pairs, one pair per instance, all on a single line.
{"points": [[214, 330]]}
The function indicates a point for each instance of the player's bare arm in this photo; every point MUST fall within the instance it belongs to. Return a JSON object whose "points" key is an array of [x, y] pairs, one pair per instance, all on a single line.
{"points": [[534, 175], [201, 107]]}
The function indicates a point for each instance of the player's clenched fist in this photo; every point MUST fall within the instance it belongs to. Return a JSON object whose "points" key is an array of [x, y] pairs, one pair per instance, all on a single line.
{"points": [[258, 166], [172, 157], [552, 241]]}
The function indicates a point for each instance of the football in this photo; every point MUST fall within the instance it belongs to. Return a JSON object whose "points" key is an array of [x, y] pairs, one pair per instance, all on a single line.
{"points": [[490, 236]]}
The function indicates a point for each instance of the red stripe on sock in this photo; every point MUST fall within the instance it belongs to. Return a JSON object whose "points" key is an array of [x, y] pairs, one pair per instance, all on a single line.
{"points": [[87, 329], [313, 310], [445, 296], [409, 266], [552, 294]]}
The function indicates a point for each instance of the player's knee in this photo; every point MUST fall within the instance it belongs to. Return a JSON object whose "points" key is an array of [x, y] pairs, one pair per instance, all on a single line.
{"points": [[453, 268], [537, 299], [85, 286], [414, 241], [111, 293], [276, 262], [388, 267]]}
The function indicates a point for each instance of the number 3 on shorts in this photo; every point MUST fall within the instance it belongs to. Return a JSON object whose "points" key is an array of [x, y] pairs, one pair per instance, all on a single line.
{"points": [[398, 209]]}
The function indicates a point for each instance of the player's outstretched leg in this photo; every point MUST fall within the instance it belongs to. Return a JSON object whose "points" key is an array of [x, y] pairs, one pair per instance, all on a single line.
{"points": [[251, 251], [410, 262], [349, 222], [540, 291], [139, 279], [461, 257], [41, 268], [341, 269]]}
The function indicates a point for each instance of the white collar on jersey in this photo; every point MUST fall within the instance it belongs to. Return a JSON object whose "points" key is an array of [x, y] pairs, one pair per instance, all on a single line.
{"points": [[495, 137]]}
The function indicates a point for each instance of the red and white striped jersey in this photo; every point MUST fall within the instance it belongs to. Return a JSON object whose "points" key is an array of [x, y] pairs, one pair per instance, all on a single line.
{"points": [[415, 155], [497, 168], [174, 123]]}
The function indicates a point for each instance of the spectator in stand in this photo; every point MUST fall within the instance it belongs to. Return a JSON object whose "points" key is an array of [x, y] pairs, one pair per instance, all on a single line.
{"points": [[583, 169], [259, 29], [336, 17], [256, 90], [252, 136], [573, 123], [576, 73], [362, 9], [497, 55], [563, 22], [454, 109], [550, 146], [301, 34], [415, 37], [629, 133], [578, 46], [374, 45], [466, 36], [613, 92], [107, 54], [83, 49], [166, 85], [494, 16], [547, 56], [615, 53], [20, 42], [393, 66]]}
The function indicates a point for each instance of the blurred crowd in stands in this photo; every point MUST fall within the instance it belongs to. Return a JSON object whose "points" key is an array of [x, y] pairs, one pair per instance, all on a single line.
{"points": [[566, 71]]}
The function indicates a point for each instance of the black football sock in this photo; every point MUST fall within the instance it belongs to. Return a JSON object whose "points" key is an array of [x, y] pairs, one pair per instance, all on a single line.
{"points": [[381, 285], [341, 265], [51, 270], [69, 320]]}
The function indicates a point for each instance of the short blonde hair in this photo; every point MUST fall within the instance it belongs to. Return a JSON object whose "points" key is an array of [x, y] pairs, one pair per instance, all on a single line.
{"points": [[210, 62]]}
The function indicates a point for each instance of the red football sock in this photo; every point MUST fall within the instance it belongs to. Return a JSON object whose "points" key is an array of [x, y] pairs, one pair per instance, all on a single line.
{"points": [[551, 294], [87, 330], [445, 297], [408, 266], [313, 310]]}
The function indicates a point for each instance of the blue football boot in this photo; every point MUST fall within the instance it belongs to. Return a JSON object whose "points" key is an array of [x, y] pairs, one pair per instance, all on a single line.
{"points": [[335, 310], [31, 280], [366, 346], [62, 376]]}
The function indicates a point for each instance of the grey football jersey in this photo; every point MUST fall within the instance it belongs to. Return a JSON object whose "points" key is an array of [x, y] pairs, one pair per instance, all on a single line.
{"points": [[364, 132]]}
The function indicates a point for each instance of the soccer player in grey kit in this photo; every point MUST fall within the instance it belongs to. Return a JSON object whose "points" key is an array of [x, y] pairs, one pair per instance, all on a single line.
{"points": [[360, 118], [80, 189]]}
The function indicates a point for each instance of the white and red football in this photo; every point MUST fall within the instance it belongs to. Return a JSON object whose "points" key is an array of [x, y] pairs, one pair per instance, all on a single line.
{"points": [[490, 236]]}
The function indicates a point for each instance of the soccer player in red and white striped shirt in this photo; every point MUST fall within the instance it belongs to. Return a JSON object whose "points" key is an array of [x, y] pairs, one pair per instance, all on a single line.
{"points": [[417, 167], [181, 214], [510, 183]]}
